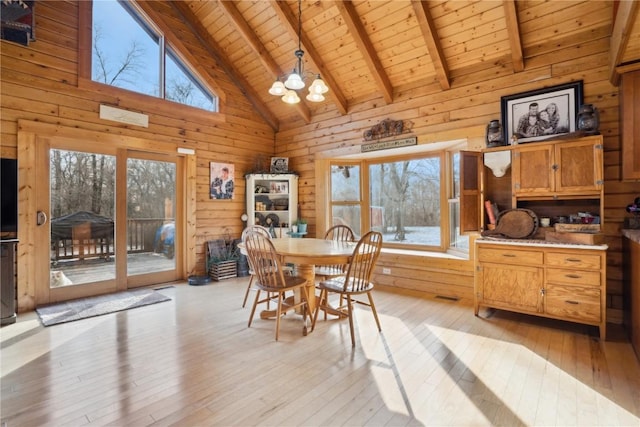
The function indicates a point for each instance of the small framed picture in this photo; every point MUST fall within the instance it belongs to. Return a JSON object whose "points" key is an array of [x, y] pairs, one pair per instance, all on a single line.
{"points": [[279, 187], [221, 184], [279, 164]]}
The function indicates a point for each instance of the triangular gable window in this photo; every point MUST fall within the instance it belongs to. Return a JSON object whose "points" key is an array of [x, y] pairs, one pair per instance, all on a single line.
{"points": [[129, 52]]}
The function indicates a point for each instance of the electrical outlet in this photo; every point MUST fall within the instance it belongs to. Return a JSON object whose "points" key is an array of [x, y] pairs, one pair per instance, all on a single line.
{"points": [[386, 270]]}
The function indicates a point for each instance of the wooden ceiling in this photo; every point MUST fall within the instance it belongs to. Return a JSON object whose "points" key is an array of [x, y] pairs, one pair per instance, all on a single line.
{"points": [[371, 49]]}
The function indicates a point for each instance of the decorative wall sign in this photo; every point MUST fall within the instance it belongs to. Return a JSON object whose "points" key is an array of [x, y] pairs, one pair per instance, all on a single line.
{"points": [[384, 145], [387, 128], [123, 116]]}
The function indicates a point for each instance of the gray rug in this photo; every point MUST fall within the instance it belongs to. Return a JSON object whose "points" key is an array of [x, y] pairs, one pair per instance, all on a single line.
{"points": [[69, 311]]}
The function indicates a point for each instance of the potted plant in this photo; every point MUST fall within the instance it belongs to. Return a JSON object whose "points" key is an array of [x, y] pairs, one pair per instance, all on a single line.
{"points": [[302, 225], [222, 259]]}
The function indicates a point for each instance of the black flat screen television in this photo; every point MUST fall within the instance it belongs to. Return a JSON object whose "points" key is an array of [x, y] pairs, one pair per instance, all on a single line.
{"points": [[8, 195]]}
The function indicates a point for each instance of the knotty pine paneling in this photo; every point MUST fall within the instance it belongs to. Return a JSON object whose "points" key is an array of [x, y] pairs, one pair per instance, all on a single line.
{"points": [[471, 102], [40, 83]]}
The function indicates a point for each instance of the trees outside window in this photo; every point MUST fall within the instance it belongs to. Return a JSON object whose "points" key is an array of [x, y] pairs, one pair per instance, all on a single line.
{"points": [[129, 52], [413, 202]]}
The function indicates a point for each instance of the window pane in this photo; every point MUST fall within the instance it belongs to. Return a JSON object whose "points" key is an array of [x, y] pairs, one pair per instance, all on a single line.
{"points": [[125, 51], [347, 215], [407, 196], [183, 87], [151, 238], [82, 217], [345, 183], [456, 240]]}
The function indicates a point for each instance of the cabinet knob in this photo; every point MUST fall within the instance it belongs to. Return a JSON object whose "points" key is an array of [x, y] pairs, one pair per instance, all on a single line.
{"points": [[572, 276]]}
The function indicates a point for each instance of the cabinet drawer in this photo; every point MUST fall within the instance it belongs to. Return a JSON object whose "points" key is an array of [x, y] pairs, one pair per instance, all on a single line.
{"points": [[573, 302], [573, 277], [506, 256], [573, 260]]}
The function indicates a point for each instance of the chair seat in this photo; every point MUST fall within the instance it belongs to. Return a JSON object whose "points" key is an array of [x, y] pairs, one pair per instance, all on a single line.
{"points": [[329, 271], [337, 285], [290, 282]]}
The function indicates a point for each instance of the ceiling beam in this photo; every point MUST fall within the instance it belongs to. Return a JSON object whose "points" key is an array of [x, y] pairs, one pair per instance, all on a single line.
{"points": [[256, 45], [430, 34], [622, 26], [351, 18], [212, 48], [290, 22], [513, 31]]}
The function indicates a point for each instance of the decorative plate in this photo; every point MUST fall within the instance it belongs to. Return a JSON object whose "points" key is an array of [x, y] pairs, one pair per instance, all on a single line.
{"points": [[272, 219], [260, 220]]}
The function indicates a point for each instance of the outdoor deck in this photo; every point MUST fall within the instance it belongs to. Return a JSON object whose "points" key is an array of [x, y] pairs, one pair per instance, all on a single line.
{"points": [[101, 269]]}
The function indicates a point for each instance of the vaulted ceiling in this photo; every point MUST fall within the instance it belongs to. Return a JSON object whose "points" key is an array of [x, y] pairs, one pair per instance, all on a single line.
{"points": [[372, 49]]}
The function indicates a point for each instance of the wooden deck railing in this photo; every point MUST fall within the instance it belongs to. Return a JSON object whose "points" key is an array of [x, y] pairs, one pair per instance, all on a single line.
{"points": [[141, 237]]}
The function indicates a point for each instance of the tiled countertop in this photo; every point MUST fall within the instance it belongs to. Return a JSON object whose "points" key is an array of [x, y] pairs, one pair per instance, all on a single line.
{"points": [[632, 235]]}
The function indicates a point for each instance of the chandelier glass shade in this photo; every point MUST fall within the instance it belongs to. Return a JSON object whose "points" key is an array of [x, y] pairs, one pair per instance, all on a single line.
{"points": [[296, 80]]}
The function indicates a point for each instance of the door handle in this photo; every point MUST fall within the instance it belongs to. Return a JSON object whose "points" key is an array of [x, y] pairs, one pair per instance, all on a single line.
{"points": [[41, 218]]}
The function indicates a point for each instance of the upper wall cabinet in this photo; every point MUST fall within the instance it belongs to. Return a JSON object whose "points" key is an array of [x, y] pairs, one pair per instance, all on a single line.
{"points": [[630, 126], [558, 168], [554, 178]]}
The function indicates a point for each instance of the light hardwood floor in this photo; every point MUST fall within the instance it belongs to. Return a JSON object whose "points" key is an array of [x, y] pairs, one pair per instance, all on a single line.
{"points": [[192, 361]]}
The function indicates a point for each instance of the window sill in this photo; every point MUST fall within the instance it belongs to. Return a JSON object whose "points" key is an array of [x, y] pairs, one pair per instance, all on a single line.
{"points": [[426, 254]]}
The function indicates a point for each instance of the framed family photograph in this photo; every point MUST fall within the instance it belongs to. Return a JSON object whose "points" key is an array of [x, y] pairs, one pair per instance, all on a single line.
{"points": [[221, 181], [542, 113], [279, 165]]}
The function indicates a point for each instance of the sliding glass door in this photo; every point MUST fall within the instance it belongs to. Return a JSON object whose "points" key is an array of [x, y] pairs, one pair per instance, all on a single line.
{"points": [[112, 219]]}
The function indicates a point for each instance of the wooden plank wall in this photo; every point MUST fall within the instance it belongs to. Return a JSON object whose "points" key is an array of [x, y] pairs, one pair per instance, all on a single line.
{"points": [[473, 100], [40, 84]]}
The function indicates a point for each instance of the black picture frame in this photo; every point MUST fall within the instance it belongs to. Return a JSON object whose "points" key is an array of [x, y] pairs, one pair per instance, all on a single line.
{"points": [[279, 165], [517, 118]]}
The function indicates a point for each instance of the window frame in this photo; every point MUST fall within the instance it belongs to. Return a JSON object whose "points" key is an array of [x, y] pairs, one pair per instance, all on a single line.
{"points": [[446, 156], [168, 41]]}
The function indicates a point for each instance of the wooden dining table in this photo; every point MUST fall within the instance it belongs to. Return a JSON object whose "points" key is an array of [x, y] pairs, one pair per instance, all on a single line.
{"points": [[306, 253]]}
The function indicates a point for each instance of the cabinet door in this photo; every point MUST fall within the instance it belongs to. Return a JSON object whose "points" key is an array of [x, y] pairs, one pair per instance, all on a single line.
{"points": [[511, 287], [532, 170], [470, 200], [630, 125], [578, 166]]}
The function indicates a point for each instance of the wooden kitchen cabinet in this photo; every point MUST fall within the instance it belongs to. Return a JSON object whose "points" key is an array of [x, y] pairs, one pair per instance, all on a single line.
{"points": [[552, 178], [630, 125], [558, 168], [509, 279], [557, 281]]}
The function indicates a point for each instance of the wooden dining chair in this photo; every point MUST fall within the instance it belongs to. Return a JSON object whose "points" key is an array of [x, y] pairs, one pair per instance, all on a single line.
{"points": [[342, 233], [265, 232], [356, 281], [270, 278]]}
